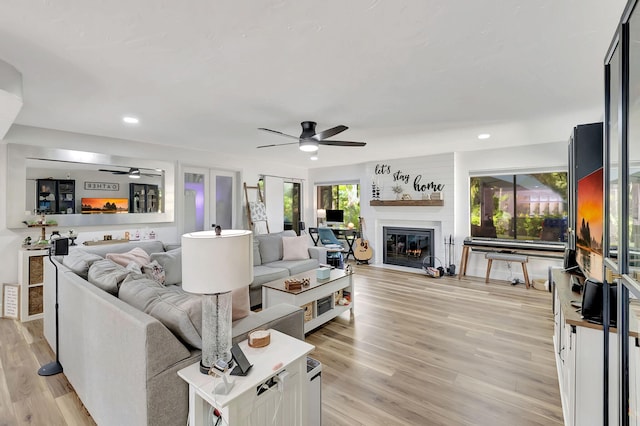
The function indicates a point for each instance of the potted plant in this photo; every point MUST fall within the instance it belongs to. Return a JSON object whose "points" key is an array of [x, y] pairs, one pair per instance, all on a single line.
{"points": [[397, 189]]}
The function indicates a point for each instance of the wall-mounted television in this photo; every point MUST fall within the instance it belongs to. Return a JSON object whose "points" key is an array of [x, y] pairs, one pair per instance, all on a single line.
{"points": [[589, 221], [105, 205], [335, 217]]}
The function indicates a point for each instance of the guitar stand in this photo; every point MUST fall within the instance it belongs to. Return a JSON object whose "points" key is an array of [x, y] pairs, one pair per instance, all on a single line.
{"points": [[362, 262]]}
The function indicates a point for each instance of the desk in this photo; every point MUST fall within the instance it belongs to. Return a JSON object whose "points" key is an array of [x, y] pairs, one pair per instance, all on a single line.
{"points": [[349, 235], [245, 404]]}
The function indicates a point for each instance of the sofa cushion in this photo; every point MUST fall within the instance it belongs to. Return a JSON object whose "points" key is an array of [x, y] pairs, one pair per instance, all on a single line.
{"points": [[150, 246], [295, 266], [179, 311], [240, 305], [257, 260], [171, 261], [79, 261], [263, 274], [107, 275], [295, 248], [270, 247], [136, 254]]}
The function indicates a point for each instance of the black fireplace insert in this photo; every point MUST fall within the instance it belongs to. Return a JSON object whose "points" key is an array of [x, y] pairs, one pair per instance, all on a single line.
{"points": [[411, 247]]}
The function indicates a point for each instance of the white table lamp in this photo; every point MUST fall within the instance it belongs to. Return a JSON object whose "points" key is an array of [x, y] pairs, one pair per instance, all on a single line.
{"points": [[322, 215], [213, 265]]}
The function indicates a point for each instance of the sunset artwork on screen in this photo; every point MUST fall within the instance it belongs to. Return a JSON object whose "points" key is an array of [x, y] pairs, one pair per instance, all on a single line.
{"points": [[105, 205], [590, 212]]}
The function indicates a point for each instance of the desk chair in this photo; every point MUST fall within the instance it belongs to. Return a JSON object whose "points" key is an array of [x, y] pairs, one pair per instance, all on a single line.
{"points": [[313, 233], [335, 246]]}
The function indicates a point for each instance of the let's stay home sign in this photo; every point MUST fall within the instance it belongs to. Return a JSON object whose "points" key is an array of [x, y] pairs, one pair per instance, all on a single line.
{"points": [[400, 176]]}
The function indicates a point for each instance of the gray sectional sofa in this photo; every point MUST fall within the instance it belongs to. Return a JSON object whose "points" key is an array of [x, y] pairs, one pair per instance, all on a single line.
{"points": [[269, 266], [121, 361]]}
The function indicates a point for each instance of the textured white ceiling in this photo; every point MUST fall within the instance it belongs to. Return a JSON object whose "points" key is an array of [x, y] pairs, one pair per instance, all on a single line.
{"points": [[408, 77]]}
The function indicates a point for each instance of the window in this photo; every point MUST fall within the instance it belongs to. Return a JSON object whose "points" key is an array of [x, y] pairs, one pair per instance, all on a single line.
{"points": [[524, 206], [292, 206], [344, 197]]}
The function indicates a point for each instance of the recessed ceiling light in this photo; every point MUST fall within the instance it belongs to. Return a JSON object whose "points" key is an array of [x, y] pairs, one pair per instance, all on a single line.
{"points": [[130, 119], [484, 136]]}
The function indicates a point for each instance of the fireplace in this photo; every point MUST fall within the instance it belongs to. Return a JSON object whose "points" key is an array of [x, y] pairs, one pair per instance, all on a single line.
{"points": [[412, 247]]}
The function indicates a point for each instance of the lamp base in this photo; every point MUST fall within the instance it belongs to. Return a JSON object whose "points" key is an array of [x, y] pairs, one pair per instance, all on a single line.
{"points": [[216, 328], [205, 370], [50, 369]]}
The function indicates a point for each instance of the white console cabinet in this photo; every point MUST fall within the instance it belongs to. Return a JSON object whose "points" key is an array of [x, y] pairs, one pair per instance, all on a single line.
{"points": [[579, 359]]}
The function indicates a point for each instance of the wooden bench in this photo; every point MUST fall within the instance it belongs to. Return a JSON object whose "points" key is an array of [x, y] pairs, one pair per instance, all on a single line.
{"points": [[507, 257]]}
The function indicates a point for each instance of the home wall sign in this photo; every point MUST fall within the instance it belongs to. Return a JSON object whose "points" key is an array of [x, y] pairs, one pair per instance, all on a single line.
{"points": [[102, 186], [398, 176]]}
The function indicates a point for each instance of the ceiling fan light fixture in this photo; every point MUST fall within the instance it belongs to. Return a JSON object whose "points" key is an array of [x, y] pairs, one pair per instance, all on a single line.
{"points": [[314, 156], [308, 145], [134, 174]]}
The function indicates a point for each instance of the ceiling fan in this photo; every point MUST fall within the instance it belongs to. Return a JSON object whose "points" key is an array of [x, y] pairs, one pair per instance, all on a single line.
{"points": [[133, 172], [309, 139]]}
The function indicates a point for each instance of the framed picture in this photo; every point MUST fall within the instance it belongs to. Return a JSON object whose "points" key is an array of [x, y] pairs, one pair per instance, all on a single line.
{"points": [[105, 205], [11, 301]]}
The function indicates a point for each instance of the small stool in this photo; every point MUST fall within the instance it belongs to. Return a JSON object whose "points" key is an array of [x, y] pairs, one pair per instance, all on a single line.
{"points": [[507, 257]]}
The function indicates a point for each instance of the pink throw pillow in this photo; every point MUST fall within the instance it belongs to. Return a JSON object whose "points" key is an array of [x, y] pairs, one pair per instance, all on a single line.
{"points": [[295, 248], [240, 304], [136, 255]]}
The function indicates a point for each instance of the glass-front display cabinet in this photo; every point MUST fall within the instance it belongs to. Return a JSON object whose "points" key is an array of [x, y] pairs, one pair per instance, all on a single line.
{"points": [[622, 212]]}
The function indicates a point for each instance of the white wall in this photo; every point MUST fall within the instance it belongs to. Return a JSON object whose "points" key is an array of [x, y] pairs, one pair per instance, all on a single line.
{"points": [[453, 170], [437, 168], [11, 239]]}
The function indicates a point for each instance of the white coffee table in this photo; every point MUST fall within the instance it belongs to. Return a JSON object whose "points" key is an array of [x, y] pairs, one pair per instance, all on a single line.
{"points": [[274, 293]]}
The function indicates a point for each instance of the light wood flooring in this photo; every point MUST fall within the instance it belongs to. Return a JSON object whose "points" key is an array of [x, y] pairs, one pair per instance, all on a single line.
{"points": [[419, 351]]}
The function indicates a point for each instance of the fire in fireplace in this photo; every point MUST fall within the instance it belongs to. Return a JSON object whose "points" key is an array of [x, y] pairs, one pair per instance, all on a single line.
{"points": [[412, 247]]}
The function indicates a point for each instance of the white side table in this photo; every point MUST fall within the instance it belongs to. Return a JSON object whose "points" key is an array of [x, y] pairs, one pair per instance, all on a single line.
{"points": [[286, 357]]}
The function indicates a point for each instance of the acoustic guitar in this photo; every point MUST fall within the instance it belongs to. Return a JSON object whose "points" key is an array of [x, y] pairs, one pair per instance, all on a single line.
{"points": [[361, 249]]}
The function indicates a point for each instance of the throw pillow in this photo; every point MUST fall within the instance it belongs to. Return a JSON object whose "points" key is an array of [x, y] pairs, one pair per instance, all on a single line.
{"points": [[240, 304], [295, 248], [257, 261], [107, 275], [79, 261], [171, 261], [155, 271], [137, 255], [179, 311], [270, 247]]}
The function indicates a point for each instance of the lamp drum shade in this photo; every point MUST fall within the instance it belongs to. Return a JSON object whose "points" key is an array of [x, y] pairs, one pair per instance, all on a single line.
{"points": [[217, 263]]}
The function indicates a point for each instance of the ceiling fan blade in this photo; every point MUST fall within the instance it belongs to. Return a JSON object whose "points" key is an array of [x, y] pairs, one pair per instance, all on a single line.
{"points": [[115, 172], [342, 143], [329, 132], [278, 144], [278, 133]]}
